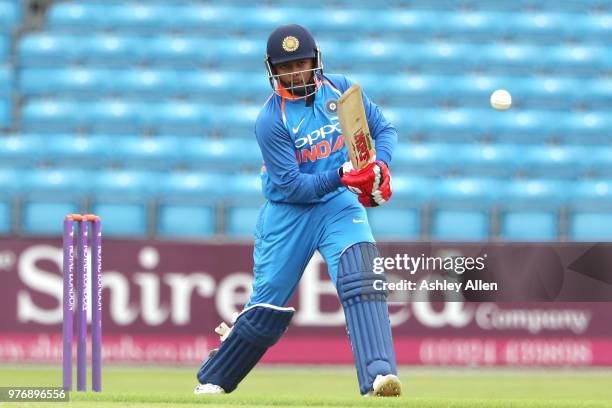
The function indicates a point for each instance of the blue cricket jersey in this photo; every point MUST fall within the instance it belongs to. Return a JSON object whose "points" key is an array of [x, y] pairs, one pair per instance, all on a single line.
{"points": [[302, 146]]}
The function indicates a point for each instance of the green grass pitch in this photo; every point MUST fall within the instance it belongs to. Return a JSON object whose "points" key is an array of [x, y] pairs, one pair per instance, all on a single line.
{"points": [[143, 387]]}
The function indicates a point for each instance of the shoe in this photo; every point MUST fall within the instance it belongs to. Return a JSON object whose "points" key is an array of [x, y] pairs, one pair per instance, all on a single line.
{"points": [[208, 389], [386, 386]]}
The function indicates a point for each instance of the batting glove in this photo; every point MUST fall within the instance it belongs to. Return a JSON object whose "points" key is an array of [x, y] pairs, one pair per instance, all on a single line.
{"points": [[379, 196], [365, 180], [372, 183]]}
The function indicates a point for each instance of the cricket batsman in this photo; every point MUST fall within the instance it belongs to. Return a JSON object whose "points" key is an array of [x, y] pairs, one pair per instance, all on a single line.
{"points": [[315, 201]]}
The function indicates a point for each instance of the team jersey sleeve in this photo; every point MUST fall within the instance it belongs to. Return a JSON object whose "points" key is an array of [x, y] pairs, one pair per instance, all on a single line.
{"points": [[281, 164], [382, 131]]}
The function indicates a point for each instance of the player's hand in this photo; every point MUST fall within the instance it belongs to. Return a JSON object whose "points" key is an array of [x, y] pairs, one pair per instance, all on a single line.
{"points": [[365, 180], [378, 196]]}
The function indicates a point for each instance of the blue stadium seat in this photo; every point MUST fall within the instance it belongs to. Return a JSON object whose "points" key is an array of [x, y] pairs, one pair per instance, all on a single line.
{"points": [[597, 159], [508, 57], [229, 153], [4, 47], [126, 184], [403, 20], [61, 115], [48, 47], [469, 86], [241, 221], [213, 85], [460, 224], [56, 113], [435, 54], [412, 190], [5, 114], [112, 48], [562, 161], [424, 158], [105, 115], [139, 152], [529, 226], [233, 119], [146, 81], [21, 150], [117, 114], [5, 217], [535, 192], [574, 6], [9, 15], [10, 181], [122, 218], [597, 92], [480, 22], [522, 124], [87, 81], [51, 48], [490, 159], [186, 221], [466, 124], [392, 222], [56, 182], [585, 58], [99, 15], [178, 49], [185, 151], [591, 226], [73, 150], [168, 117], [546, 91], [142, 15], [458, 158], [248, 18], [418, 89], [223, 85], [198, 186], [363, 54], [589, 194], [244, 187], [45, 217], [6, 81], [231, 52], [475, 191], [137, 15], [452, 124], [594, 126], [540, 25], [593, 27], [203, 16]]}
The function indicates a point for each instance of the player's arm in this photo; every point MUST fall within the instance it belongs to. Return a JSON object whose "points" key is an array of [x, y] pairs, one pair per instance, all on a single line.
{"points": [[383, 132], [279, 157]]}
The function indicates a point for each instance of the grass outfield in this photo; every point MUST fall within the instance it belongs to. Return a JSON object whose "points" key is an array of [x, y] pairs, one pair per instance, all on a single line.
{"points": [[140, 387]]}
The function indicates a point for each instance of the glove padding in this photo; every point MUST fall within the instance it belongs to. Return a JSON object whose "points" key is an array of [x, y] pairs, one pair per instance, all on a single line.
{"points": [[372, 183]]}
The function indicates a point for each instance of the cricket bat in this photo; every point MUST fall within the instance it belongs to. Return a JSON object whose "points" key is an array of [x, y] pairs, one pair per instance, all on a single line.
{"points": [[355, 130]]}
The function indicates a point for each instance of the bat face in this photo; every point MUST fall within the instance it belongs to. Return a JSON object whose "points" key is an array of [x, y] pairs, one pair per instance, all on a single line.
{"points": [[355, 130]]}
